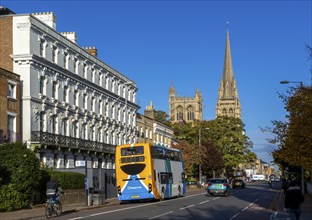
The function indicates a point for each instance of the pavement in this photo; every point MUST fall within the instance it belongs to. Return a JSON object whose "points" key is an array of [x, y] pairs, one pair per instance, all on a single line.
{"points": [[277, 207], [281, 214]]}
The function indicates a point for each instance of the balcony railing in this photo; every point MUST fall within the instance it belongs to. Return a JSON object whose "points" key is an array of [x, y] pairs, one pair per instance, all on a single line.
{"points": [[70, 142]]}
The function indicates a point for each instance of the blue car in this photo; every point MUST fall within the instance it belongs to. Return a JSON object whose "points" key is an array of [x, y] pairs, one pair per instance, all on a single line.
{"points": [[218, 186]]}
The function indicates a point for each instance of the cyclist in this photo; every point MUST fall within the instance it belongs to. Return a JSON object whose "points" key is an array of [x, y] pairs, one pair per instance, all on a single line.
{"points": [[53, 190]]}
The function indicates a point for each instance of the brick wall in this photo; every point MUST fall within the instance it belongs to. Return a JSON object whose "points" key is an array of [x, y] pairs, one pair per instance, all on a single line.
{"points": [[7, 104], [6, 38], [3, 103]]}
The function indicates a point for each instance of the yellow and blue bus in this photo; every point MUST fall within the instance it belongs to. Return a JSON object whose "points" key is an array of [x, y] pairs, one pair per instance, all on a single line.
{"points": [[146, 171]]}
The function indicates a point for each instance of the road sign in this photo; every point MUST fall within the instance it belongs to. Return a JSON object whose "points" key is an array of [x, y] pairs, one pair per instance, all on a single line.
{"points": [[80, 163]]}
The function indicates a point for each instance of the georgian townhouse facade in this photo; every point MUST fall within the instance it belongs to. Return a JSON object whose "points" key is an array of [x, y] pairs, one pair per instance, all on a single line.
{"points": [[75, 107], [151, 131]]}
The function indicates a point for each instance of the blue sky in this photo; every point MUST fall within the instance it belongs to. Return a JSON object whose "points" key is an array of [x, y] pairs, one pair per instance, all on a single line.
{"points": [[156, 43]]}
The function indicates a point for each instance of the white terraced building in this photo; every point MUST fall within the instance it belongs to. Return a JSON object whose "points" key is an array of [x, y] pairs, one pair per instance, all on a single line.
{"points": [[74, 106]]}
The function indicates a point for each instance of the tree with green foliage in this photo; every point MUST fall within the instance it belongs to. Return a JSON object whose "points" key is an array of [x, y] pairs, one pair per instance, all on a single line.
{"points": [[223, 138], [19, 177], [212, 159], [293, 136], [227, 134], [162, 117], [186, 132]]}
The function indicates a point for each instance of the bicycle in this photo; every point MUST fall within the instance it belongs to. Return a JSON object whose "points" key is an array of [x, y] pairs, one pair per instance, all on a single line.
{"points": [[52, 208]]}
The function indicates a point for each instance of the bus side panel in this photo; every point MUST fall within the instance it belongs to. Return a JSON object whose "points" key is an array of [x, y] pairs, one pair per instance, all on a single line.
{"points": [[159, 166], [170, 189], [177, 167]]}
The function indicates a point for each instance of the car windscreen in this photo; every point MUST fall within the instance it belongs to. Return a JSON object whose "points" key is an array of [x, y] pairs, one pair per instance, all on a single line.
{"points": [[217, 181]]}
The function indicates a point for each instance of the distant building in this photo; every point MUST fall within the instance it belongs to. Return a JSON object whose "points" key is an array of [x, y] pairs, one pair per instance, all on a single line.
{"points": [[10, 105], [187, 109], [228, 103], [256, 167], [74, 106], [152, 131]]}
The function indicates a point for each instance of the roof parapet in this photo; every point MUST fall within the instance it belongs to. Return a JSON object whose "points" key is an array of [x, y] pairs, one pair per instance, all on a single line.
{"points": [[47, 17], [70, 36]]}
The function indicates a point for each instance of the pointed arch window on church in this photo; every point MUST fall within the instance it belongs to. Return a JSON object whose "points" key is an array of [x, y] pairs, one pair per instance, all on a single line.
{"points": [[224, 111], [231, 112], [179, 113], [190, 113]]}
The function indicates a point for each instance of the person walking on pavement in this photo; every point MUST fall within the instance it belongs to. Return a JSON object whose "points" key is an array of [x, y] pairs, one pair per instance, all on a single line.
{"points": [[293, 199], [284, 185], [270, 184]]}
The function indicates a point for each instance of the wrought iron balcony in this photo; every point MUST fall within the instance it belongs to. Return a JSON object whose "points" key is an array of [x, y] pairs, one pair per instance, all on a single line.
{"points": [[71, 142]]}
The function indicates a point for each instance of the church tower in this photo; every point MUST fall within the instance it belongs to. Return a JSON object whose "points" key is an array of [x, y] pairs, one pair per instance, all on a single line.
{"points": [[186, 109], [228, 103]]}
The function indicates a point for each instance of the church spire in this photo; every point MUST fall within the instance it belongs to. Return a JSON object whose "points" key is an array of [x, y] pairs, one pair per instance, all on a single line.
{"points": [[228, 102], [228, 75]]}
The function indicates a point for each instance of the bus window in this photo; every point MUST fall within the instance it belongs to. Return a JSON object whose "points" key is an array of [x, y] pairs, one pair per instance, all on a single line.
{"points": [[183, 177], [129, 151], [166, 178], [157, 153]]}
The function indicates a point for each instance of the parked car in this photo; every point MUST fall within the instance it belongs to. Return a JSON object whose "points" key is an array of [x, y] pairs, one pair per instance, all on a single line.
{"points": [[238, 183], [218, 186]]}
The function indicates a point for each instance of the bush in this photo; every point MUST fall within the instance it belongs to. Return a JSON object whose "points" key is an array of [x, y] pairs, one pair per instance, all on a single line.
{"points": [[68, 180], [19, 177], [11, 199]]}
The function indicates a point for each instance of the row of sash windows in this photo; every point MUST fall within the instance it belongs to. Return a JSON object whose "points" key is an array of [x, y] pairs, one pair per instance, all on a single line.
{"points": [[72, 130], [66, 58]]}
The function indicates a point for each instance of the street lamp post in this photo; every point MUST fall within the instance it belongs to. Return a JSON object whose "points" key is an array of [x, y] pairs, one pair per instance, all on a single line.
{"points": [[199, 161], [302, 170]]}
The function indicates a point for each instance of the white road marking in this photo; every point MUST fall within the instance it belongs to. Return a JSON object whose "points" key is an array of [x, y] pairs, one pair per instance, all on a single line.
{"points": [[245, 208], [167, 213], [187, 207], [204, 202], [216, 198], [234, 216]]}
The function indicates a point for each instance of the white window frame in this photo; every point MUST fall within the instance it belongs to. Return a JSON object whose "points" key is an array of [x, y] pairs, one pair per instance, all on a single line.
{"points": [[12, 89]]}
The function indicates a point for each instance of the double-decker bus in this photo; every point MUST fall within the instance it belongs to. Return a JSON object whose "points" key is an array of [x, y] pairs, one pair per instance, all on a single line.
{"points": [[146, 171]]}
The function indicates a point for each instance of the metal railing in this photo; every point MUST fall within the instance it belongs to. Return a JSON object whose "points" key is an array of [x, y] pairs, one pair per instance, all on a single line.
{"points": [[70, 142]]}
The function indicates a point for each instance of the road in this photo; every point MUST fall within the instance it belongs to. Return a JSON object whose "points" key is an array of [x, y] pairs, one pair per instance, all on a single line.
{"points": [[254, 203]]}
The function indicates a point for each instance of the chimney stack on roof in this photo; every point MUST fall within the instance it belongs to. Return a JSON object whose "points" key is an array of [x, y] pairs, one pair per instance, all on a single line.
{"points": [[91, 50], [47, 17], [150, 111], [70, 36]]}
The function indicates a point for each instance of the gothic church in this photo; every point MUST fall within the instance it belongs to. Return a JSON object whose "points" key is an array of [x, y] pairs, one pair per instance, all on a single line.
{"points": [[189, 109], [185, 109]]}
